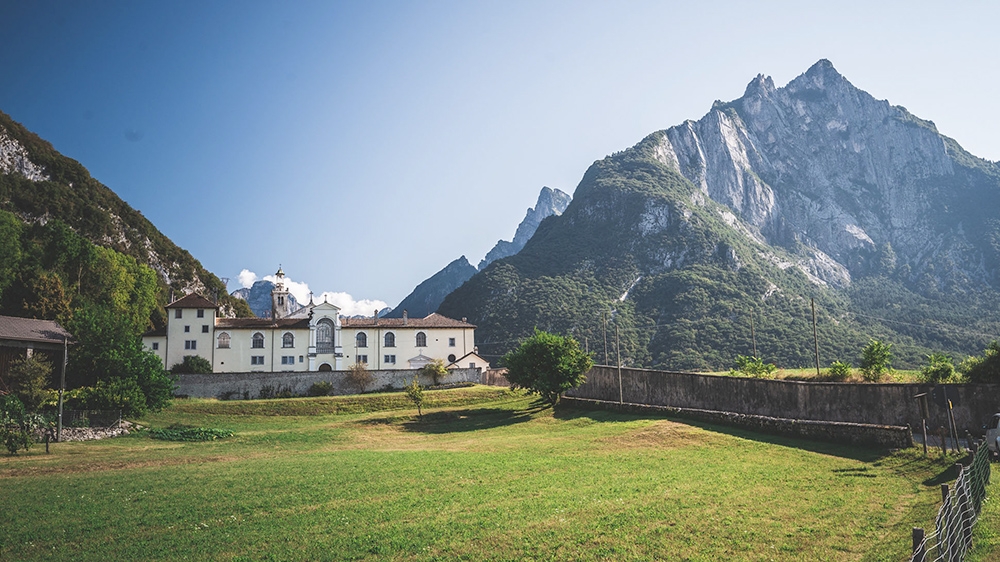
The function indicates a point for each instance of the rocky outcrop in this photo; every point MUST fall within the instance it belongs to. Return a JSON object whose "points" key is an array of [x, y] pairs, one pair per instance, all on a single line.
{"points": [[14, 159], [427, 296], [258, 296], [550, 202]]}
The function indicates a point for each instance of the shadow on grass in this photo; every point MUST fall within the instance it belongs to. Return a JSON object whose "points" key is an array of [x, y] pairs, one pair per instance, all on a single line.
{"points": [[473, 419], [858, 453]]}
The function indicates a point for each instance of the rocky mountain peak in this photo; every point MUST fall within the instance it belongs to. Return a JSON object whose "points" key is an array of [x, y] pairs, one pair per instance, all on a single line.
{"points": [[760, 86], [550, 202]]}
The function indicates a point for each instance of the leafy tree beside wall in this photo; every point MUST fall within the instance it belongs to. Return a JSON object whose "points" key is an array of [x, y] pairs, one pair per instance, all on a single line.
{"points": [[548, 365]]}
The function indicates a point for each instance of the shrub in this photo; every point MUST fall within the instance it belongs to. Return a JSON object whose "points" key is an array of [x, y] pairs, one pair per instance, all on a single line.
{"points": [[416, 393], [984, 368], [187, 433], [359, 377], [435, 370], [839, 371], [548, 365], [320, 388], [123, 394], [28, 379], [750, 366], [16, 424], [192, 364], [876, 360], [939, 369]]}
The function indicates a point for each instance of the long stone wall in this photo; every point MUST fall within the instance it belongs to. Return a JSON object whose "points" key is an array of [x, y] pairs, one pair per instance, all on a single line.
{"points": [[883, 436], [249, 385], [877, 404]]}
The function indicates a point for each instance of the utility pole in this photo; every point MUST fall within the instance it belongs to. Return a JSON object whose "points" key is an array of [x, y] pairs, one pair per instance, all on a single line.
{"points": [[618, 345], [62, 387], [753, 335], [604, 318], [815, 334]]}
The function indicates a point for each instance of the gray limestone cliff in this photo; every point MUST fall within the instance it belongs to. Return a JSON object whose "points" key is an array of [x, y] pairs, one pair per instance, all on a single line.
{"points": [[822, 168], [258, 296]]}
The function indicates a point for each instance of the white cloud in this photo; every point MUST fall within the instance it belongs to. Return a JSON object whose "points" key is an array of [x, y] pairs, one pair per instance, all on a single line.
{"points": [[350, 307], [247, 278]]}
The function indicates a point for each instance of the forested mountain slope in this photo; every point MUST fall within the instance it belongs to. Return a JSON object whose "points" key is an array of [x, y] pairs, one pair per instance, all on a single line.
{"points": [[67, 242]]}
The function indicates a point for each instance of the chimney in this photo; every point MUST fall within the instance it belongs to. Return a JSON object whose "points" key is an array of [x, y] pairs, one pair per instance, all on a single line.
{"points": [[464, 319], [404, 316], [375, 316]]}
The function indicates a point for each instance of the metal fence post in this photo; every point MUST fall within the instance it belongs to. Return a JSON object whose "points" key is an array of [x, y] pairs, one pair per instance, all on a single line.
{"points": [[919, 551]]}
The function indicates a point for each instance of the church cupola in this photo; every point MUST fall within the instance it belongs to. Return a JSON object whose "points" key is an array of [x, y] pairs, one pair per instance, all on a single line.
{"points": [[279, 296]]}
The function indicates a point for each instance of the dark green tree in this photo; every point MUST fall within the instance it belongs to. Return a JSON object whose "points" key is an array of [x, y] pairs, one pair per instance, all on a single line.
{"points": [[547, 364], [28, 379], [983, 368], [107, 348], [876, 360]]}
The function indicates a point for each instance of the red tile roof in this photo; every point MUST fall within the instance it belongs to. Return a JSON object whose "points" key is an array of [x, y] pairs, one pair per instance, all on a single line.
{"points": [[29, 329], [261, 323], [432, 320], [192, 300]]}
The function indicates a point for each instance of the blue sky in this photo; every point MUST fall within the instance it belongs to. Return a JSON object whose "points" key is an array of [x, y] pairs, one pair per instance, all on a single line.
{"points": [[364, 145]]}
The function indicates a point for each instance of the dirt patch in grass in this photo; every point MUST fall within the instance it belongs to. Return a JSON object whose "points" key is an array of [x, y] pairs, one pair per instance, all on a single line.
{"points": [[105, 465], [662, 434]]}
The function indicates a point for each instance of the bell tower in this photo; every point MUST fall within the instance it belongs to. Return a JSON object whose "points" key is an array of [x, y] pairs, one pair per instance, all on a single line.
{"points": [[279, 296]]}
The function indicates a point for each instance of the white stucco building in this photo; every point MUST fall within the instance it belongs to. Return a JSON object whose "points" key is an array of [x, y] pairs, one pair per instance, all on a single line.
{"points": [[314, 338]]}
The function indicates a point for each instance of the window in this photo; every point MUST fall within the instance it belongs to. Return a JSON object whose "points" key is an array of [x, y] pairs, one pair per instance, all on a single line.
{"points": [[288, 340], [201, 313], [390, 359], [421, 339], [451, 342], [156, 345], [177, 313], [324, 336], [390, 339], [190, 344], [204, 328], [187, 329], [451, 358], [362, 359], [287, 359], [256, 359], [472, 365], [362, 339], [224, 340], [258, 341], [300, 358], [281, 301]]}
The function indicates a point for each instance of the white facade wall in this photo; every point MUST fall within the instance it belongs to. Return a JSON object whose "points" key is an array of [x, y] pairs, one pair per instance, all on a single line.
{"points": [[158, 345], [441, 343], [239, 357], [188, 328]]}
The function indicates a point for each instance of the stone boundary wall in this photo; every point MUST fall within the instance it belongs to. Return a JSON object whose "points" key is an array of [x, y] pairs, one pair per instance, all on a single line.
{"points": [[890, 404], [495, 377], [857, 434], [240, 385]]}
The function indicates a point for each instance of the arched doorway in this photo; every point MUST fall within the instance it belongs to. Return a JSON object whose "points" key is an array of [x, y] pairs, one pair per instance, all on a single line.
{"points": [[325, 367]]}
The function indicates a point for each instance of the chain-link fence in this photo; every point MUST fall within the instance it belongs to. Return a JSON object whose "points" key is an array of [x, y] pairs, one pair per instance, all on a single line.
{"points": [[92, 418], [951, 537]]}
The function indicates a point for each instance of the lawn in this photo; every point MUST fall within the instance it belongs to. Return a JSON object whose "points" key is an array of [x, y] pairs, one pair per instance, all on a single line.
{"points": [[485, 475]]}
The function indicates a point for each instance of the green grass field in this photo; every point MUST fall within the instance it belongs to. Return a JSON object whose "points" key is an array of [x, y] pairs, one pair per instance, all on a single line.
{"points": [[485, 475]]}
